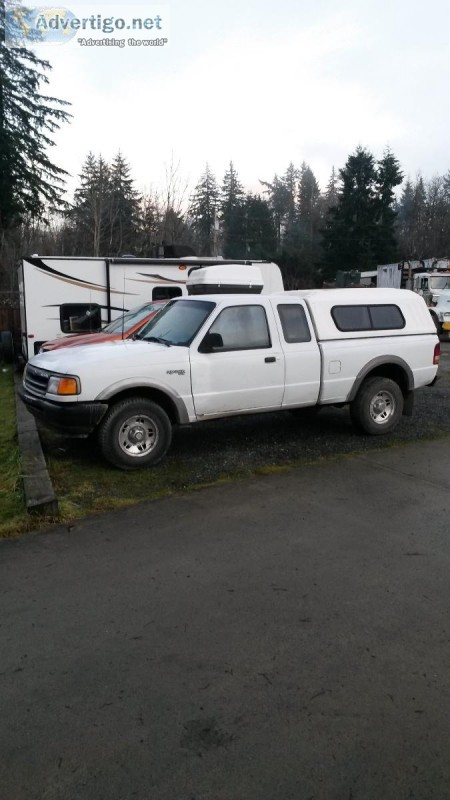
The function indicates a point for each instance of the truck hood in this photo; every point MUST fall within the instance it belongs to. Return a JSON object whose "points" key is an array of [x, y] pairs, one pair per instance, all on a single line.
{"points": [[78, 360]]}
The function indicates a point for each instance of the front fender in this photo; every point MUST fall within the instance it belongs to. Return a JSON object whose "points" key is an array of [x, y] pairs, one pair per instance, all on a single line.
{"points": [[137, 384]]}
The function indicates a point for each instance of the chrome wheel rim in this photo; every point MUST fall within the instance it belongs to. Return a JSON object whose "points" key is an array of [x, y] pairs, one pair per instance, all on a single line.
{"points": [[138, 435], [382, 407]]}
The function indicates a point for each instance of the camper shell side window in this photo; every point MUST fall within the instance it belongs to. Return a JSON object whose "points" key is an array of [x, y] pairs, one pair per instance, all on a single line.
{"points": [[367, 318], [80, 317]]}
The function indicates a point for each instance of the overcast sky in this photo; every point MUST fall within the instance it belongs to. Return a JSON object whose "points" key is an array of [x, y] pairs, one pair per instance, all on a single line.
{"points": [[262, 83]]}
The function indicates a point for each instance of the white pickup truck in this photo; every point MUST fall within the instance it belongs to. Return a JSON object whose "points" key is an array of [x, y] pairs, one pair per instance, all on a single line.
{"points": [[216, 355]]}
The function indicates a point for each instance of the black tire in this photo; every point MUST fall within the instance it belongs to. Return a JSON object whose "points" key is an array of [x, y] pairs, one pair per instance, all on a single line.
{"points": [[135, 433], [7, 347], [378, 406]]}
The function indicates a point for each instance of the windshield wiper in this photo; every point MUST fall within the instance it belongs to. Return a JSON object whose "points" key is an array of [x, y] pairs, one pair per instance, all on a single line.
{"points": [[158, 340]]}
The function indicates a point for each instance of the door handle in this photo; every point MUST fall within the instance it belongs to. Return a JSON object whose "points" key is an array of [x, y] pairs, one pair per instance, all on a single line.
{"points": [[270, 359]]}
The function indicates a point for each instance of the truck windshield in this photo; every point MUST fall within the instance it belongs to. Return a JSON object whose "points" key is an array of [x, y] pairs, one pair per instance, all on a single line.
{"points": [[178, 322], [440, 282]]}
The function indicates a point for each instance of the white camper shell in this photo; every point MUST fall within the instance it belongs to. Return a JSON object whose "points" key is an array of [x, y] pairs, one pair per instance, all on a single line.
{"points": [[61, 295]]}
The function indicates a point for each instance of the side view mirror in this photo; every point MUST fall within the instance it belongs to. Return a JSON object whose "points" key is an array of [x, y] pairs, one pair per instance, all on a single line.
{"points": [[212, 341]]}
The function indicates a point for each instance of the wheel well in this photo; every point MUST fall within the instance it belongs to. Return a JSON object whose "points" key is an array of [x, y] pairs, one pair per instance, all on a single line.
{"points": [[151, 394], [392, 371]]}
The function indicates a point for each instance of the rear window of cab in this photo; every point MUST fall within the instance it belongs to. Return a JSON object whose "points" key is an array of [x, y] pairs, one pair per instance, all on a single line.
{"points": [[367, 318]]}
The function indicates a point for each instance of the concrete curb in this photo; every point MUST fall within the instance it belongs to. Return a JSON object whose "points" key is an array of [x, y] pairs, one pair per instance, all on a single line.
{"points": [[40, 496]]}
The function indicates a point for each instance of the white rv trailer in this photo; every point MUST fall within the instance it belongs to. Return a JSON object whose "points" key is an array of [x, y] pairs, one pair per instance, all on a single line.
{"points": [[62, 294]]}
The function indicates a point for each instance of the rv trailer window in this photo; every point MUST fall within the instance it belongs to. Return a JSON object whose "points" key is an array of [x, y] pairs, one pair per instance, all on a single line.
{"points": [[80, 317], [166, 292]]}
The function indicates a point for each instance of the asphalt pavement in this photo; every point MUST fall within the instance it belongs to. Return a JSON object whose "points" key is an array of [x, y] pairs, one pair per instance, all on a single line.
{"points": [[281, 637]]}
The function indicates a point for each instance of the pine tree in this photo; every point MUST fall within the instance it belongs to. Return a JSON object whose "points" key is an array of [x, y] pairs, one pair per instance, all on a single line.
{"points": [[279, 203], [30, 183], [203, 212], [350, 234], [124, 208], [389, 175], [330, 196], [232, 215], [309, 223], [260, 232], [290, 182], [89, 215]]}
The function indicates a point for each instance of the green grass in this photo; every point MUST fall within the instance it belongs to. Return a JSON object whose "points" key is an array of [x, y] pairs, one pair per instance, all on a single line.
{"points": [[13, 515]]}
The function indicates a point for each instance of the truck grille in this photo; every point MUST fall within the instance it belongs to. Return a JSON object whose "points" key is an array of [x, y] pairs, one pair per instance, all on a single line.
{"points": [[36, 380]]}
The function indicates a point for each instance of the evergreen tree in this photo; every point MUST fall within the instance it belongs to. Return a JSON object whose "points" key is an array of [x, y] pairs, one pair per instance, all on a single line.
{"points": [[309, 223], [330, 196], [30, 183], [279, 203], [232, 215], [89, 215], [350, 232], [290, 182], [123, 208], [203, 213], [389, 175], [260, 232]]}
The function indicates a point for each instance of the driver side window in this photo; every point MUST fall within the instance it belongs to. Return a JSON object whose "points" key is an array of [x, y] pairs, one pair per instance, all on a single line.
{"points": [[242, 328]]}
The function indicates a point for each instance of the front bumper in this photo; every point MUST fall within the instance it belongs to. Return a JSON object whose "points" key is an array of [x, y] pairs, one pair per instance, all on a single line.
{"points": [[73, 419]]}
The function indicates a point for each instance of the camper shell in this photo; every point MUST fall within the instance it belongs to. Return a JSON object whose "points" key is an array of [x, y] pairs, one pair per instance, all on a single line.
{"points": [[60, 295]]}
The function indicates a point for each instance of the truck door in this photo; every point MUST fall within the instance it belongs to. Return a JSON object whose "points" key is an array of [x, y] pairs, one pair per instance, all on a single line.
{"points": [[238, 365], [301, 353]]}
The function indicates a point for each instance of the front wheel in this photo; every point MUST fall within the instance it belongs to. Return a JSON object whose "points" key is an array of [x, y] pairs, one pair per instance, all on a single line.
{"points": [[135, 433], [378, 406]]}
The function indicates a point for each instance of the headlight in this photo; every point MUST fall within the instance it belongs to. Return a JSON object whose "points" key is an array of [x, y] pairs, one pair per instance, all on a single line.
{"points": [[64, 385]]}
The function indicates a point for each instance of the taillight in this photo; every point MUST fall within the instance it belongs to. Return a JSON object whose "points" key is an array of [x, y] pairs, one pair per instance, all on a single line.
{"points": [[437, 354]]}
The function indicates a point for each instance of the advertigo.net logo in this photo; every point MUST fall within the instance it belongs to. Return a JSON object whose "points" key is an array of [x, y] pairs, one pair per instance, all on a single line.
{"points": [[116, 26]]}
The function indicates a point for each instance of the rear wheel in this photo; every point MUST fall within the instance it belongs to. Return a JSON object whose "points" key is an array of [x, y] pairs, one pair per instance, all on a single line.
{"points": [[135, 433], [7, 346], [378, 406]]}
